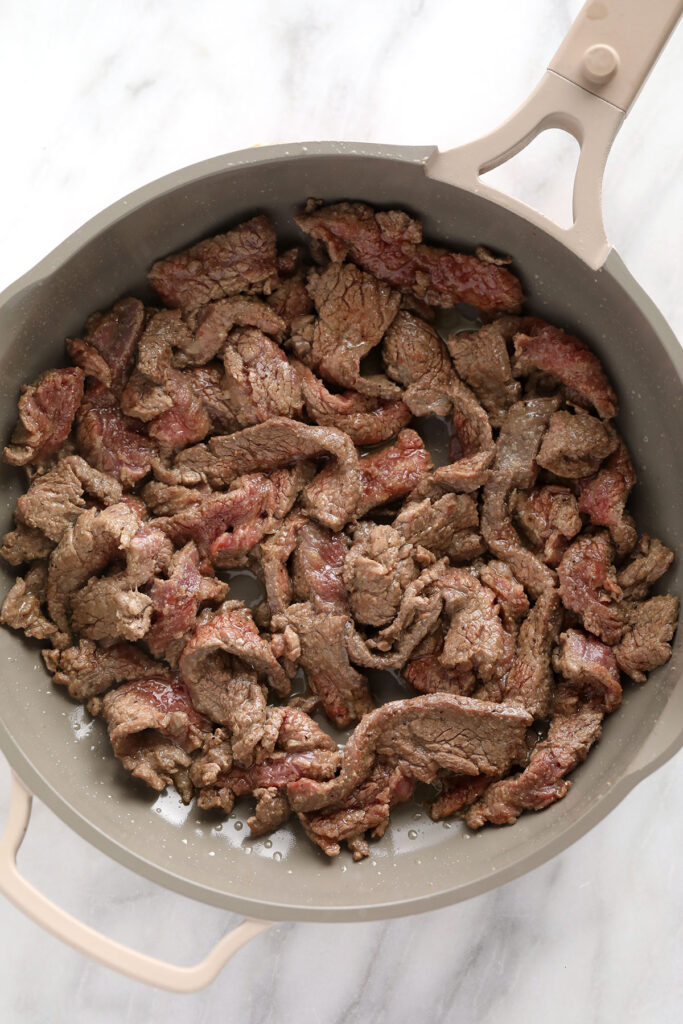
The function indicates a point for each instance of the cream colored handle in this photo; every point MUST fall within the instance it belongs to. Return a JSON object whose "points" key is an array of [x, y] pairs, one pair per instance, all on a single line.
{"points": [[86, 940], [565, 99]]}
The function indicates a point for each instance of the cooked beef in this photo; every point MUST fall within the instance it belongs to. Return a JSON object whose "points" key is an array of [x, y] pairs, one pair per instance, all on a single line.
{"points": [[550, 350], [168, 499], [343, 691], [458, 792], [291, 299], [317, 568], [25, 544], [259, 381], [476, 640], [282, 442], [175, 602], [646, 643], [650, 561], [89, 670], [530, 680], [56, 499], [379, 566], [231, 630], [111, 339], [514, 467], [603, 498], [23, 607], [588, 586], [422, 736], [426, 672], [576, 444], [110, 441], [543, 781], [510, 597], [481, 358], [274, 555], [590, 668], [207, 383], [108, 608], [446, 526], [153, 727], [415, 356], [549, 518], [389, 245], [367, 807], [392, 472], [212, 324], [46, 411], [354, 311], [242, 260], [367, 420]]}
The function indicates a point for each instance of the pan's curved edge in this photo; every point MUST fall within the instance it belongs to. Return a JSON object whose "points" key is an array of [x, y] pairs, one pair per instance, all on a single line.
{"points": [[418, 155]]}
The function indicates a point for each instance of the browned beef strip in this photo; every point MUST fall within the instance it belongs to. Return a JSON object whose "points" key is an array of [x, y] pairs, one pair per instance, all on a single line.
{"points": [[543, 781], [167, 499], [354, 311], [366, 419], [423, 736], [175, 602], [22, 608], [588, 586], [392, 472], [514, 467], [110, 441], [650, 561], [530, 680], [212, 324], [510, 597], [481, 359], [366, 807], [576, 444], [476, 640], [550, 350], [25, 544], [85, 549], [459, 792], [378, 567], [46, 411], [603, 498], [389, 245], [153, 727], [108, 349], [317, 568], [242, 260], [56, 499], [426, 673], [590, 668], [231, 630], [145, 395], [109, 609], [274, 554], [646, 643], [291, 299], [549, 518], [343, 691], [89, 670], [416, 357], [259, 381], [445, 526], [276, 443]]}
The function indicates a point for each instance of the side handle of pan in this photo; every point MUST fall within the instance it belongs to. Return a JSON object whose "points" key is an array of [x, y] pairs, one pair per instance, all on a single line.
{"points": [[587, 91], [87, 940]]}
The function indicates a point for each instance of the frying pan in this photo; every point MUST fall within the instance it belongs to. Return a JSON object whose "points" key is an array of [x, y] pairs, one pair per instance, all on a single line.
{"points": [[572, 277]]}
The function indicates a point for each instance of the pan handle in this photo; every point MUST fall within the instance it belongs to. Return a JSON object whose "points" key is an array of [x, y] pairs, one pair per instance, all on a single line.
{"points": [[587, 91], [87, 940]]}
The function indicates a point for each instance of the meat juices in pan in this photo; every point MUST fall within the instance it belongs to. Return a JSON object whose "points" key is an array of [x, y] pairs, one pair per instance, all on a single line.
{"points": [[234, 426]]}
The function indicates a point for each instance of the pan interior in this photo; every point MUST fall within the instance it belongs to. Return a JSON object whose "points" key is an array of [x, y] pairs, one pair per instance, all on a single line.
{"points": [[65, 757]]}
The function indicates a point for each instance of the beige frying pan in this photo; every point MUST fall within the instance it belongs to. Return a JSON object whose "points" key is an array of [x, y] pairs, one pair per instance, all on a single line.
{"points": [[571, 277]]}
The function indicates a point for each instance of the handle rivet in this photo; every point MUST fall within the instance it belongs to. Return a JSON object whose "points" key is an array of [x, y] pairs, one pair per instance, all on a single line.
{"points": [[600, 63]]}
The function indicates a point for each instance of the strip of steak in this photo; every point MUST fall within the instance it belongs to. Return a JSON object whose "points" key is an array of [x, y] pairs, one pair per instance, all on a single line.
{"points": [[590, 668], [416, 358], [530, 680], [25, 544], [481, 359], [379, 566], [89, 670], [23, 607], [445, 526], [274, 555], [458, 792], [241, 260], [46, 411], [646, 643], [212, 324], [423, 736], [549, 349], [56, 499], [514, 467], [576, 444], [510, 597], [603, 498], [259, 381], [111, 339], [366, 419], [549, 517], [426, 672], [588, 586], [389, 245], [392, 472], [110, 441], [317, 568], [291, 299], [650, 561]]}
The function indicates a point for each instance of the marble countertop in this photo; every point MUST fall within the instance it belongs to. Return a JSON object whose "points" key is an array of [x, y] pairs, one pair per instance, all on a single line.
{"points": [[101, 98]]}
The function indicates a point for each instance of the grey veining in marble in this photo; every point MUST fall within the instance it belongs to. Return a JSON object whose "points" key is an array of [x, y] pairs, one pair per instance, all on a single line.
{"points": [[100, 98]]}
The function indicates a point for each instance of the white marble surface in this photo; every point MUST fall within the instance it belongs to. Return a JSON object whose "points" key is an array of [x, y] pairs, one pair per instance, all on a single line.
{"points": [[100, 98]]}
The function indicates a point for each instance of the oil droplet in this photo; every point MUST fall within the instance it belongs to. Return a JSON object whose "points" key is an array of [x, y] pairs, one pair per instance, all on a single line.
{"points": [[238, 826], [247, 849], [447, 824], [417, 816], [412, 834], [268, 843], [277, 855], [219, 828]]}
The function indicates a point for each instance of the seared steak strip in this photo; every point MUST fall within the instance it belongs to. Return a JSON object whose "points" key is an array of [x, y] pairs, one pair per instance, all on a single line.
{"points": [[46, 411]]}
